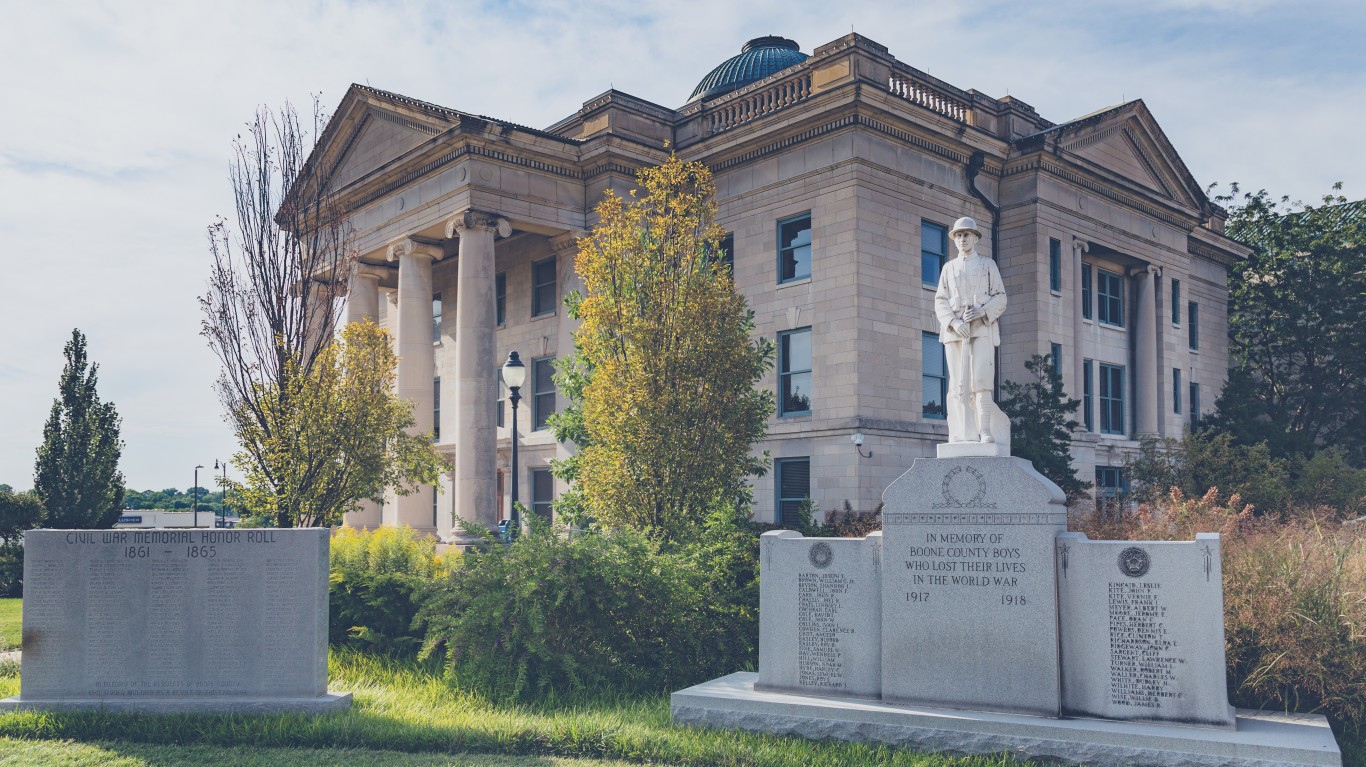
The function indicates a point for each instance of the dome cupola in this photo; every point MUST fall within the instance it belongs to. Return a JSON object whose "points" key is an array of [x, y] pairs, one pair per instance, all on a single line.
{"points": [[760, 58]]}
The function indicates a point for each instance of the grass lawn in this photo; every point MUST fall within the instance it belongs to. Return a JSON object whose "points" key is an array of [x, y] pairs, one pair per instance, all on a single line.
{"points": [[406, 707], [11, 627]]}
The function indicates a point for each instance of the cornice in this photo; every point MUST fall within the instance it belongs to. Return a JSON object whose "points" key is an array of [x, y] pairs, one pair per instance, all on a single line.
{"points": [[1038, 163]]}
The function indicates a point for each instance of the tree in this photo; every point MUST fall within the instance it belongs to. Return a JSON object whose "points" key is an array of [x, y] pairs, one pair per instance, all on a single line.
{"points": [[77, 475], [664, 373], [1040, 429], [19, 512], [1295, 309], [337, 436]]}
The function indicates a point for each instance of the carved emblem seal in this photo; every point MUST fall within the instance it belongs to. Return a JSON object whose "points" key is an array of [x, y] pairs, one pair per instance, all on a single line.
{"points": [[964, 481], [1134, 562], [821, 555]]}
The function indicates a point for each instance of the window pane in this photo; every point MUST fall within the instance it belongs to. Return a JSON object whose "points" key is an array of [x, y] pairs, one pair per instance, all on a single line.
{"points": [[500, 297], [1086, 291], [1111, 399], [1088, 395], [436, 409], [794, 248], [1176, 302], [794, 372], [793, 487], [1055, 354], [797, 393], [1176, 390], [934, 385], [934, 244], [1054, 264], [542, 492], [436, 317], [543, 392], [543, 287], [728, 252], [1193, 318]]}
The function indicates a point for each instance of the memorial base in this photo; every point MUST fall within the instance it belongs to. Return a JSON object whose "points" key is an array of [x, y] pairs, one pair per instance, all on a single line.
{"points": [[324, 704], [1262, 739]]}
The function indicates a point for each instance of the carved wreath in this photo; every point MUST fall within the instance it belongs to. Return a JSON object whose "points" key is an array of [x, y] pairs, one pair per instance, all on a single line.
{"points": [[977, 501]]}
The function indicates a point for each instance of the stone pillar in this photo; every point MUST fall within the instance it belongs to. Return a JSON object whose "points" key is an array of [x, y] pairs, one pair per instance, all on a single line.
{"points": [[476, 370], [416, 360], [318, 310], [1077, 390], [362, 298], [566, 249], [362, 303], [1145, 354]]}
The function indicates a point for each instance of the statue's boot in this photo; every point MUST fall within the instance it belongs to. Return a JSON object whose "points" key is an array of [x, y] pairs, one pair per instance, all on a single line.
{"points": [[984, 419]]}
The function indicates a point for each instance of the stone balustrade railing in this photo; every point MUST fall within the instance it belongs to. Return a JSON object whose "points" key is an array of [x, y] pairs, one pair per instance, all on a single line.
{"points": [[759, 103], [914, 88]]}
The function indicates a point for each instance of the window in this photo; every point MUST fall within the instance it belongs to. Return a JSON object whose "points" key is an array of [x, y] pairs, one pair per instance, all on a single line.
{"points": [[794, 372], [1193, 320], [793, 486], [1176, 390], [500, 298], [436, 494], [934, 248], [728, 253], [794, 248], [1054, 265], [542, 391], [1176, 302], [1055, 353], [542, 493], [436, 318], [1110, 482], [1195, 407], [501, 397], [1110, 298], [436, 409], [543, 287], [1086, 291], [934, 378], [1111, 399], [1088, 388]]}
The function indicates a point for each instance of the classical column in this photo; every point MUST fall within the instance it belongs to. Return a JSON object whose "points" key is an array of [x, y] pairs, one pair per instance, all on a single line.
{"points": [[566, 249], [476, 370], [362, 298], [416, 360], [317, 298], [1076, 391], [1145, 354]]}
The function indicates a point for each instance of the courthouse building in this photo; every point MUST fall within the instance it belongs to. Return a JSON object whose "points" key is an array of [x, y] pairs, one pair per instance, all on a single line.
{"points": [[838, 175]]}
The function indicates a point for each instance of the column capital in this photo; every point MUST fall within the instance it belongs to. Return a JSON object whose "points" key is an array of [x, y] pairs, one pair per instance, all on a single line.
{"points": [[478, 219], [371, 271], [567, 241], [1080, 246], [410, 247], [1146, 271]]}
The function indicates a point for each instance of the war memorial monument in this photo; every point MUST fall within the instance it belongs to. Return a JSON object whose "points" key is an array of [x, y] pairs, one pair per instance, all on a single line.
{"points": [[169, 621], [975, 623]]}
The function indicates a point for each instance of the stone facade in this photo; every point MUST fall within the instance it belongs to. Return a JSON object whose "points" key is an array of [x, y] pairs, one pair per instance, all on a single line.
{"points": [[867, 147]]}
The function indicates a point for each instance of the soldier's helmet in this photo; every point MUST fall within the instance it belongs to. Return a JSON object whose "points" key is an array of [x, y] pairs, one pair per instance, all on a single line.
{"points": [[965, 224]]}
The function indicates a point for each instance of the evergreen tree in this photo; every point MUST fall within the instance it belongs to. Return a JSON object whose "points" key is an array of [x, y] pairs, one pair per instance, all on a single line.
{"points": [[77, 475], [1040, 429], [665, 410]]}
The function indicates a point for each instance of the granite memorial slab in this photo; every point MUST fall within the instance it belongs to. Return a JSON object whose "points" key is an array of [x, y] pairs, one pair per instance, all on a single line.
{"points": [[820, 614], [969, 604], [173, 620], [1142, 626]]}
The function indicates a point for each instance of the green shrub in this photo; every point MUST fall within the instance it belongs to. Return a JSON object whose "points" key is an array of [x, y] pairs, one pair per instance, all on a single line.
{"points": [[377, 578], [1294, 600], [605, 610], [1326, 479]]}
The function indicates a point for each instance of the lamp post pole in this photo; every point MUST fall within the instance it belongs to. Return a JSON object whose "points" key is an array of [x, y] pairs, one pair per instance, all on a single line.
{"points": [[196, 495], [223, 503], [514, 374]]}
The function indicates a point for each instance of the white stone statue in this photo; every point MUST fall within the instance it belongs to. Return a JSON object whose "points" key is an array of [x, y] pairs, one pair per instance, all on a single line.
{"points": [[970, 299]]}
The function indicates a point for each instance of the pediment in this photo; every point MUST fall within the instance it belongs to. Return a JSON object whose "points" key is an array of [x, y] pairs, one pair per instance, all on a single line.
{"points": [[1126, 143], [378, 137]]}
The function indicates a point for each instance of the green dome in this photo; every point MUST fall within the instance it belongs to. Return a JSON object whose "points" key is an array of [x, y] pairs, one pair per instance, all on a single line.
{"points": [[760, 58]]}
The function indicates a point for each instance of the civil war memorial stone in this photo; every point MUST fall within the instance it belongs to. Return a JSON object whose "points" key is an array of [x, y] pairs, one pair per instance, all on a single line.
{"points": [[176, 620], [975, 623]]}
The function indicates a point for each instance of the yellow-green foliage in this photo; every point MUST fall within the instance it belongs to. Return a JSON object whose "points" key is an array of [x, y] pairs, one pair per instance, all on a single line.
{"points": [[1294, 599], [670, 409], [332, 436], [377, 581]]}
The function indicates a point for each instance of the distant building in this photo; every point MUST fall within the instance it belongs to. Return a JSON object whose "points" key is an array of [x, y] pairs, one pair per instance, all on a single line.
{"points": [[838, 175]]}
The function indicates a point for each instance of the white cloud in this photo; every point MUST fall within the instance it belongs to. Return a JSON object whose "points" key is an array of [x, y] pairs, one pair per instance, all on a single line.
{"points": [[118, 120]]}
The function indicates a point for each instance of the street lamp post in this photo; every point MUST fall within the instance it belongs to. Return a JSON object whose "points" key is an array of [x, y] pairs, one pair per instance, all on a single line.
{"points": [[223, 503], [196, 495], [514, 375]]}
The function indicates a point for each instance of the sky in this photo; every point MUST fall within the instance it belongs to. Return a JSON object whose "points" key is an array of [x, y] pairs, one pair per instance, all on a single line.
{"points": [[117, 120]]}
